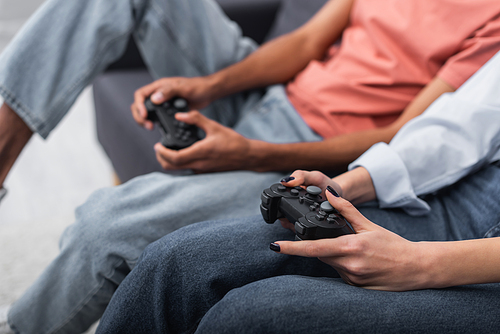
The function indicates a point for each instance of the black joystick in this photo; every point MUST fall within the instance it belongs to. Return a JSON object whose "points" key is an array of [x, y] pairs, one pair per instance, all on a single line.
{"points": [[314, 218], [176, 135]]}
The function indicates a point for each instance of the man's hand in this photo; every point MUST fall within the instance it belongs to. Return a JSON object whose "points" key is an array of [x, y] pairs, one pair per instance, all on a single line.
{"points": [[222, 149], [197, 91], [374, 257]]}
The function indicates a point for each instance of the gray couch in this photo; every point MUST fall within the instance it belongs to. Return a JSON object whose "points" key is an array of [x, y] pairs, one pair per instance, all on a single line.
{"points": [[130, 147]]}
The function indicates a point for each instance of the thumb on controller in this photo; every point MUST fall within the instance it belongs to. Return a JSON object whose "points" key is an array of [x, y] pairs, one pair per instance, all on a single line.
{"points": [[349, 211], [194, 117]]}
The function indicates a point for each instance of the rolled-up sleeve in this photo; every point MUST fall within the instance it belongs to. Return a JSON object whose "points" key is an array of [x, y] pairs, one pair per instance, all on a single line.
{"points": [[457, 135]]}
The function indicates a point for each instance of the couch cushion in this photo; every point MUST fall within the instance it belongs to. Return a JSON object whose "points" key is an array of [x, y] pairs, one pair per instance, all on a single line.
{"points": [[128, 145], [292, 14]]}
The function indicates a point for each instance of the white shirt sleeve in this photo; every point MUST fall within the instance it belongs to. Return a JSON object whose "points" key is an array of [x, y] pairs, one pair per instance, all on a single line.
{"points": [[457, 135]]}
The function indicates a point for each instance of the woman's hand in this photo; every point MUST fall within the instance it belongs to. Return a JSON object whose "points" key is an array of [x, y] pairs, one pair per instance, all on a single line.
{"points": [[303, 179], [315, 178], [374, 257]]}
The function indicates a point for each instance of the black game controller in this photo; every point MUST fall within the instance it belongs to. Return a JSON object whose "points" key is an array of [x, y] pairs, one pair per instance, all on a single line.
{"points": [[314, 218], [176, 135]]}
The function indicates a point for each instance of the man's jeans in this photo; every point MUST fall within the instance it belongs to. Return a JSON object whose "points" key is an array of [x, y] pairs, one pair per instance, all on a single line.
{"points": [[221, 277], [60, 50]]}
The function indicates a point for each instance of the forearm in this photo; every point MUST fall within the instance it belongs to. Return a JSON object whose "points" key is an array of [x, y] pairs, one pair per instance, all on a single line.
{"points": [[337, 152], [461, 262], [270, 64], [281, 59], [327, 155]]}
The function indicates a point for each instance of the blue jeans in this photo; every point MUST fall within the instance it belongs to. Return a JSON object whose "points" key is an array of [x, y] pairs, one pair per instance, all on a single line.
{"points": [[60, 50], [221, 277]]}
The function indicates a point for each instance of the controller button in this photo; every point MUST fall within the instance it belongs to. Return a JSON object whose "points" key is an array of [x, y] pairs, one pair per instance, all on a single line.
{"points": [[265, 212], [312, 208], [265, 199], [331, 220], [149, 104], [294, 192], [320, 217], [281, 188], [299, 228], [327, 207], [180, 104], [313, 190]]}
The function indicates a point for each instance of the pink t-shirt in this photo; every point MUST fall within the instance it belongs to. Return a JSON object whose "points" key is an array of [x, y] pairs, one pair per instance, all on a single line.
{"points": [[389, 52]]}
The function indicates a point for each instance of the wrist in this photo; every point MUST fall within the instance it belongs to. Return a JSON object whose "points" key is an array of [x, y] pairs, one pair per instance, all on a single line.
{"points": [[257, 155], [447, 264], [453, 263], [213, 86], [3, 192], [428, 260], [217, 85], [357, 186]]}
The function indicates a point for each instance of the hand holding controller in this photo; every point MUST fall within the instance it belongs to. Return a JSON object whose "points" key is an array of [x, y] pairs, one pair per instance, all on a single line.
{"points": [[176, 135], [314, 218]]}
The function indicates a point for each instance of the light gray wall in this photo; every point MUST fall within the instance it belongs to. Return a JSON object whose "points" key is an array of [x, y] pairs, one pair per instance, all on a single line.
{"points": [[13, 13]]}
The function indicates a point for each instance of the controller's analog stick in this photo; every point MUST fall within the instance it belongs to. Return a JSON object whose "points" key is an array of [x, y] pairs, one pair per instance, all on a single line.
{"points": [[180, 104], [313, 190], [327, 207]]}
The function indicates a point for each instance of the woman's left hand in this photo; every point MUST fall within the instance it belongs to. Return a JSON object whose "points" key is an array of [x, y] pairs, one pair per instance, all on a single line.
{"points": [[374, 257]]}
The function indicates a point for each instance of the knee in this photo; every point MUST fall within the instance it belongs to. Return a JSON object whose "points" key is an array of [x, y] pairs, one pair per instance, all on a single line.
{"points": [[249, 309], [292, 304], [96, 224]]}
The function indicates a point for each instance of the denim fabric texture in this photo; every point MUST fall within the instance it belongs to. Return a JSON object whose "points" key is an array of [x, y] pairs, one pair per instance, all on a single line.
{"points": [[221, 277], [55, 56]]}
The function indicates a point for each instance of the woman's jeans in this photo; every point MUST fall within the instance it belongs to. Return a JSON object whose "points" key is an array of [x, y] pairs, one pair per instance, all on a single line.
{"points": [[221, 277], [59, 52]]}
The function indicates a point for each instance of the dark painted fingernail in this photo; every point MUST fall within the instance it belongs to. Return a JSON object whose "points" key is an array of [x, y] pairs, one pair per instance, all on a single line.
{"points": [[275, 247], [332, 191], [287, 179]]}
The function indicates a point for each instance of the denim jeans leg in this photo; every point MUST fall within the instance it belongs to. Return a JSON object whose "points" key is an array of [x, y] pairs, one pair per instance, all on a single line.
{"points": [[67, 43], [111, 231], [223, 274], [466, 210], [300, 304], [180, 277]]}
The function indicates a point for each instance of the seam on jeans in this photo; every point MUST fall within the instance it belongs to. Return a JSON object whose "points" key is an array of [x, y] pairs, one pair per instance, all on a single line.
{"points": [[60, 104], [87, 298], [21, 109], [493, 232]]}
